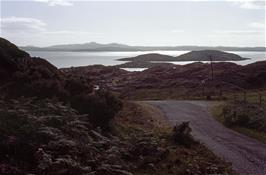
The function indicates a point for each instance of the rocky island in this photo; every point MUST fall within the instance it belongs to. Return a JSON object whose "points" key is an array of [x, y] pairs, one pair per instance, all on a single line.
{"points": [[206, 55], [154, 59]]}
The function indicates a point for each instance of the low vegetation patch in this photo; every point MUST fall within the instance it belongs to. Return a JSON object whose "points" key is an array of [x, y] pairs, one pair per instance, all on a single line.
{"points": [[103, 105], [157, 94], [45, 136], [164, 150], [247, 118]]}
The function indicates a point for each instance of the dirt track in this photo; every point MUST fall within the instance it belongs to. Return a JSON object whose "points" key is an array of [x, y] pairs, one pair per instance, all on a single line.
{"points": [[248, 156]]}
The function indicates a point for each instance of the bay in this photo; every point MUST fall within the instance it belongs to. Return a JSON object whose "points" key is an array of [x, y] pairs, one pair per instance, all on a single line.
{"points": [[73, 59]]}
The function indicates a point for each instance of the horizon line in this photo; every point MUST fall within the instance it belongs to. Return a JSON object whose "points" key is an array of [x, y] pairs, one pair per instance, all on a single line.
{"points": [[138, 45]]}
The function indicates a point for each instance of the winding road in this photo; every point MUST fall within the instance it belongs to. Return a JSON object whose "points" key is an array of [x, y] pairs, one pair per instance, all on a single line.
{"points": [[247, 155]]}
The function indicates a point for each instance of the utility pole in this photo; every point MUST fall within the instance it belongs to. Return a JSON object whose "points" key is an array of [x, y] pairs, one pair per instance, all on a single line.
{"points": [[212, 83], [211, 65]]}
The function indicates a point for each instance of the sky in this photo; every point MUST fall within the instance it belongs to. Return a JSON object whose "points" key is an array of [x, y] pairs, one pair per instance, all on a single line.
{"points": [[149, 23]]}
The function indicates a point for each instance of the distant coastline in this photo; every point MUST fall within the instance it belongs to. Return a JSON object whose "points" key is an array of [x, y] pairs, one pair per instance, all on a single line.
{"points": [[115, 47]]}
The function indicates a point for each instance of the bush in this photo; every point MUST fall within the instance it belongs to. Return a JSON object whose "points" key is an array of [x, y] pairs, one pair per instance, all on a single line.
{"points": [[101, 107], [182, 134], [77, 86], [236, 119], [245, 115]]}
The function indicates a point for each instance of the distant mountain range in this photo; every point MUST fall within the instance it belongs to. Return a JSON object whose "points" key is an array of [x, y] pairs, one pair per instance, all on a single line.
{"points": [[115, 47]]}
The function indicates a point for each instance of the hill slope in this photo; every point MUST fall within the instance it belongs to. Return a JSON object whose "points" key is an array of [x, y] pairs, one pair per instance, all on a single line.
{"points": [[179, 81], [52, 122], [22, 75]]}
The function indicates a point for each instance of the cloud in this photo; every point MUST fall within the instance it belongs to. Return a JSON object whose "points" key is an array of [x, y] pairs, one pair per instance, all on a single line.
{"points": [[56, 2], [31, 30], [239, 32], [250, 4], [21, 25]]}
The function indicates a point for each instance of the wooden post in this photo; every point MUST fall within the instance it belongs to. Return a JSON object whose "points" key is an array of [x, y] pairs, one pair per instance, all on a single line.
{"points": [[211, 66]]}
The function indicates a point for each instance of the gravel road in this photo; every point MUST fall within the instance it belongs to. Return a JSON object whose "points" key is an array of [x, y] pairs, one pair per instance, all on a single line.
{"points": [[247, 155]]}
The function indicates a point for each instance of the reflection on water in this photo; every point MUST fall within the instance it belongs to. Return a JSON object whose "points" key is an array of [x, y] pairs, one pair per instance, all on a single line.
{"points": [[134, 69], [73, 59]]}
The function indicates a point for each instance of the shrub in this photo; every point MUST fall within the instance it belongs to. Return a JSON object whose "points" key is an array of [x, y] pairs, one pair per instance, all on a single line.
{"points": [[101, 107], [245, 115], [237, 119], [182, 134], [77, 86]]}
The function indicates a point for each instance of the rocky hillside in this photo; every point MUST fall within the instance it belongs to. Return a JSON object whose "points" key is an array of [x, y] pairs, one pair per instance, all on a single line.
{"points": [[34, 76], [181, 81], [10, 50], [54, 122], [22, 75], [51, 123], [48, 119]]}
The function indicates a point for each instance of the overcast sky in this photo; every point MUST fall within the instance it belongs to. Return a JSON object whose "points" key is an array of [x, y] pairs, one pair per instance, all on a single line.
{"points": [[213, 23]]}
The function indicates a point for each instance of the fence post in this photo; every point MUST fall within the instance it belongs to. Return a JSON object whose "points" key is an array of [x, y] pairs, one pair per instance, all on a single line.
{"points": [[211, 66]]}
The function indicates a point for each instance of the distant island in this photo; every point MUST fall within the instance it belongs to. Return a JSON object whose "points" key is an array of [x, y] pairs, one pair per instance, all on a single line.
{"points": [[116, 47], [153, 59], [207, 55]]}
